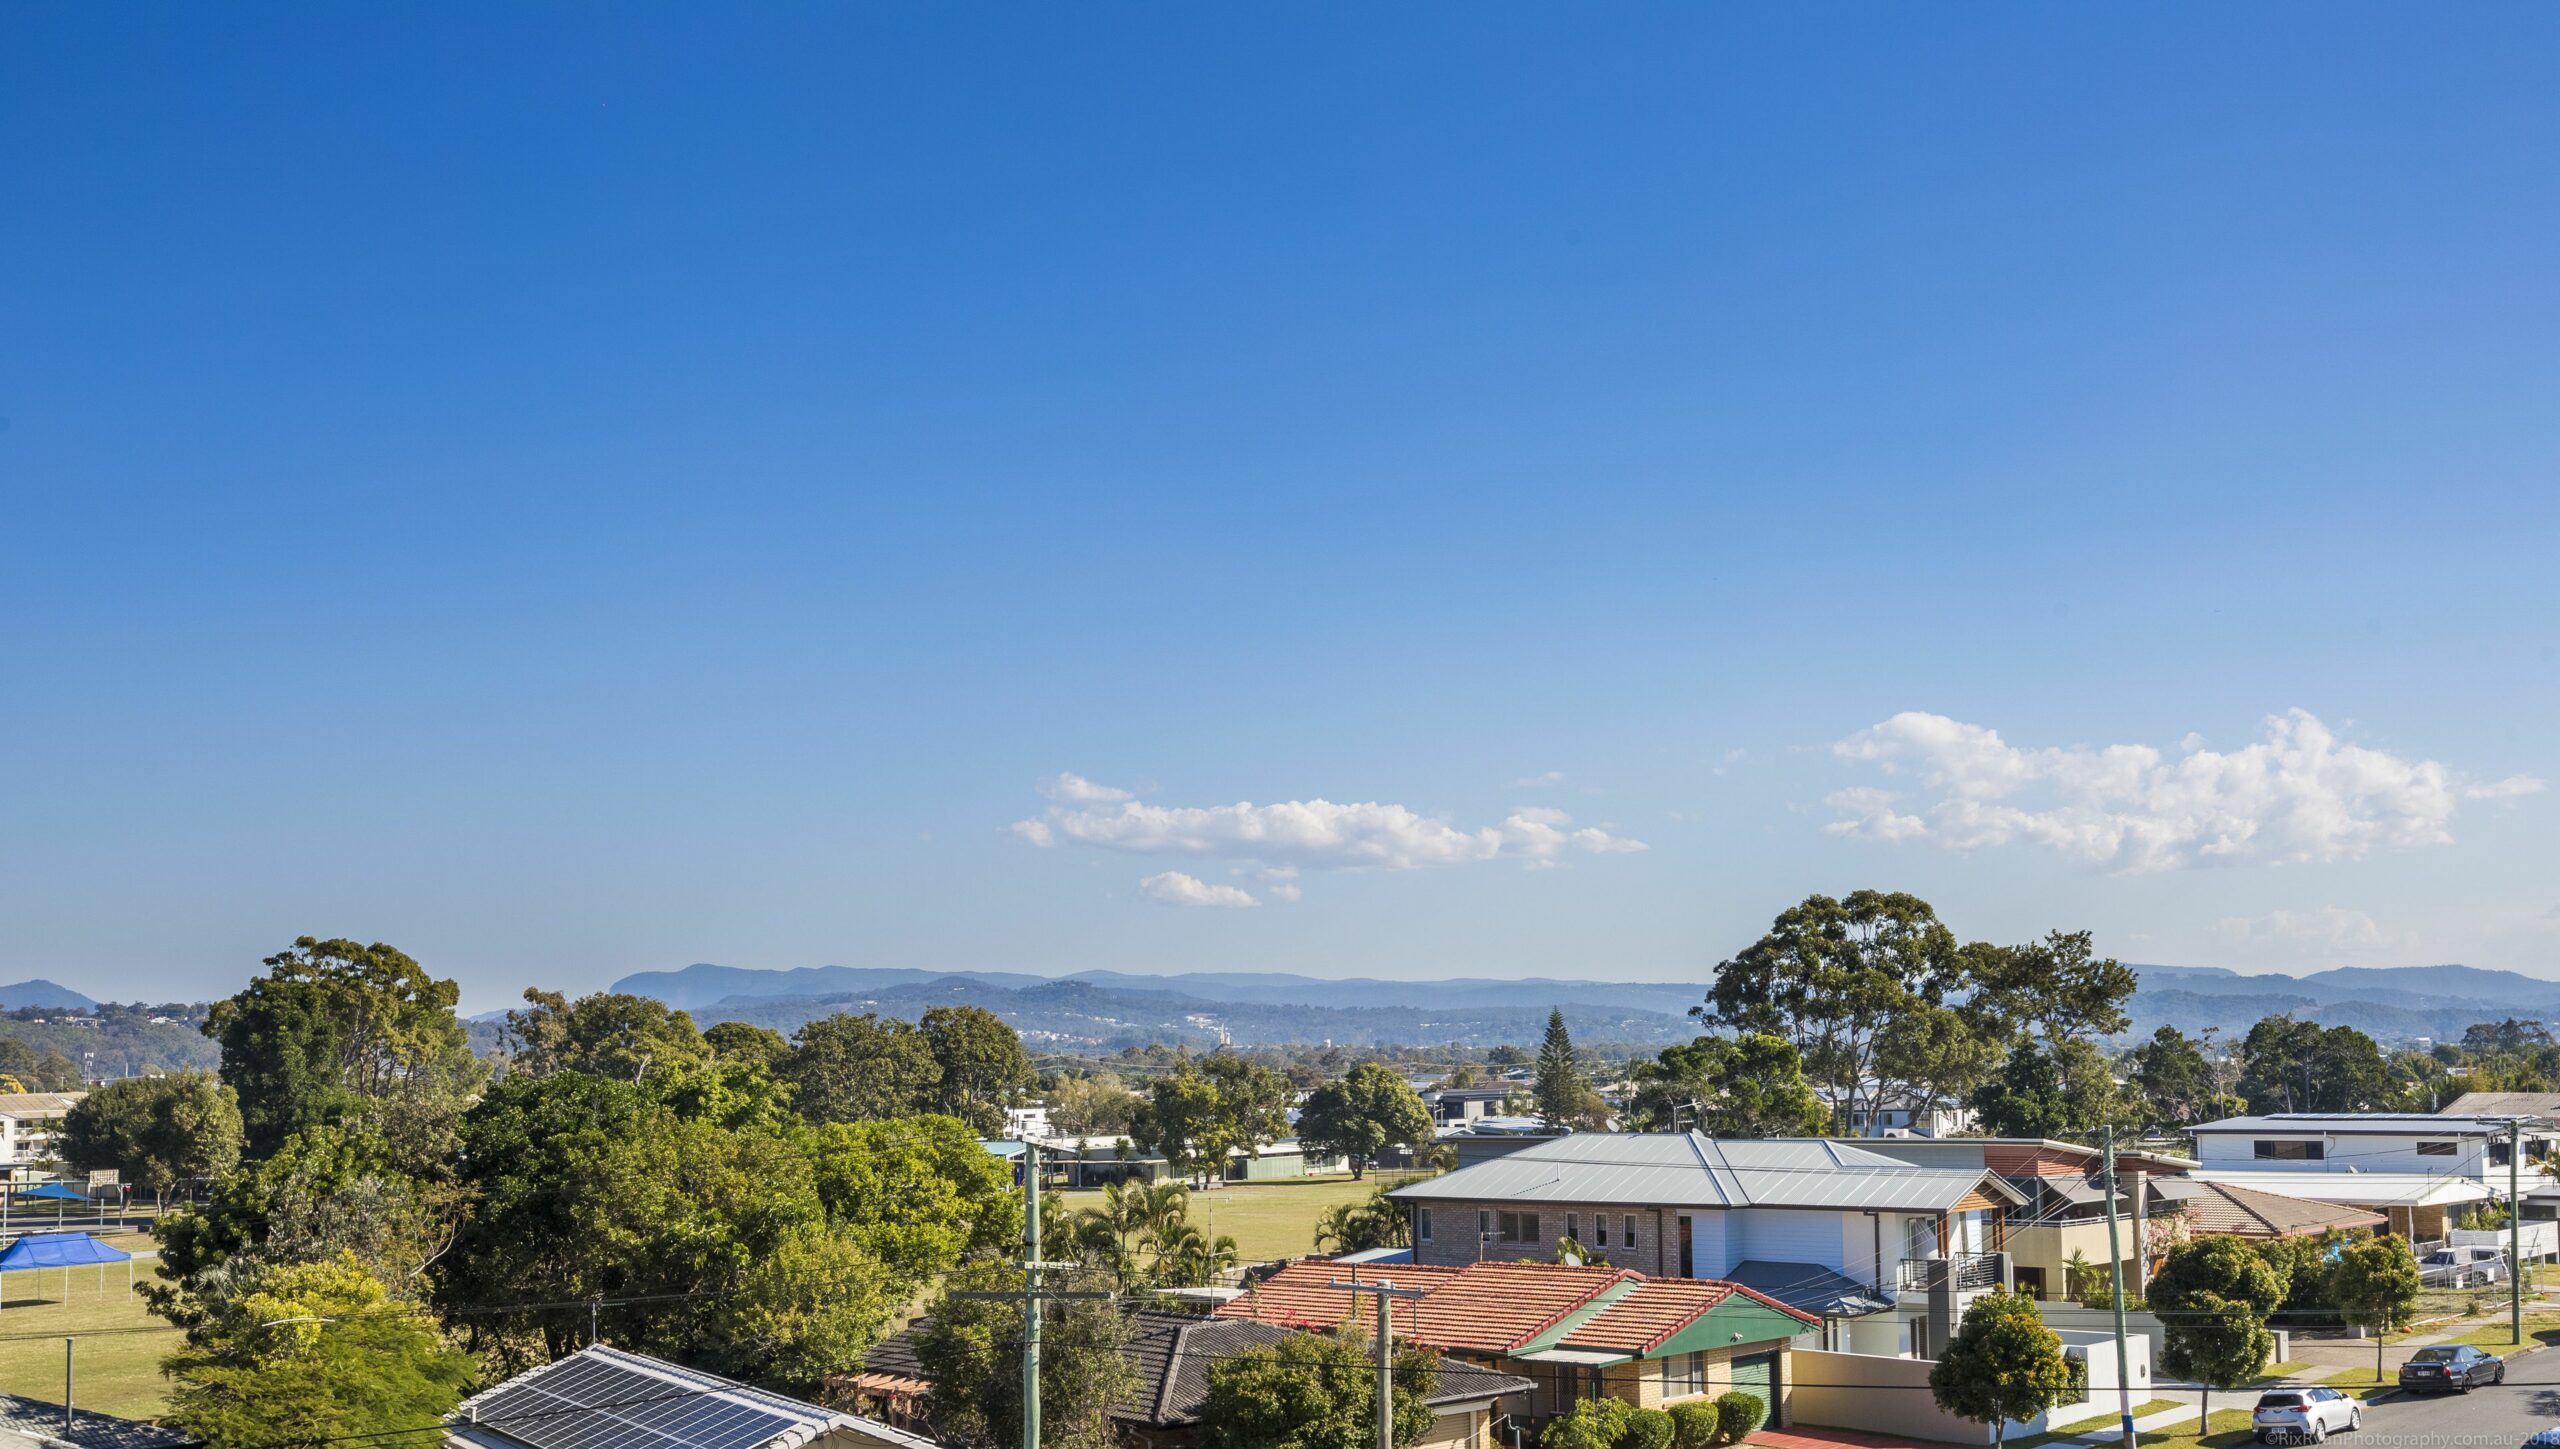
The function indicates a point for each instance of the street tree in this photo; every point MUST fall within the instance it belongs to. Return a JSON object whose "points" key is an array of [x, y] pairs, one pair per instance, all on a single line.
{"points": [[2003, 1364], [310, 1353], [158, 1132], [2053, 991], [846, 1068], [1743, 1086], [2213, 1296], [1369, 1110], [1181, 1123], [608, 1034], [2374, 1285], [982, 1066], [1315, 1391], [340, 1032]]}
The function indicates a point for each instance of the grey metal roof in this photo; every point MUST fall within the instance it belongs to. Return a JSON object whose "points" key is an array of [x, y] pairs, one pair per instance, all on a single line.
{"points": [[1810, 1287], [2517, 1104], [1689, 1169], [2385, 1124]]}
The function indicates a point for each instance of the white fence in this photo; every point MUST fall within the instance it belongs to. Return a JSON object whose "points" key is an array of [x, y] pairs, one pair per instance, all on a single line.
{"points": [[2541, 1239]]}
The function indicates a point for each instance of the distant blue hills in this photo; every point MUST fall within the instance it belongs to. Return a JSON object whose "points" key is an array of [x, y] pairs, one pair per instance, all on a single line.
{"points": [[41, 992], [1110, 1009]]}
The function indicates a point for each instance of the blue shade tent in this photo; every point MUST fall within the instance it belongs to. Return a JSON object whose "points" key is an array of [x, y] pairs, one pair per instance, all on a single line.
{"points": [[65, 1251], [53, 1192]]}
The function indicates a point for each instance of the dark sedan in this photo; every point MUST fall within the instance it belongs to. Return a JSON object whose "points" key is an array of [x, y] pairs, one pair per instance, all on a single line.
{"points": [[2451, 1368]]}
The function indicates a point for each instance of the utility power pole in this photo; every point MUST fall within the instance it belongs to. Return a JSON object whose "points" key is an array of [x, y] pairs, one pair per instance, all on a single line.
{"points": [[2115, 1276], [1032, 1294], [2515, 1231], [1386, 1290]]}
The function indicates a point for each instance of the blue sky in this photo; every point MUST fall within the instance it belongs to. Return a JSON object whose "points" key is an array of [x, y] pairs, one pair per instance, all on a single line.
{"points": [[578, 489]]}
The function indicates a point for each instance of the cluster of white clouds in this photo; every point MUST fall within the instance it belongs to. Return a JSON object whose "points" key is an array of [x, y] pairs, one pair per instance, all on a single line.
{"points": [[1276, 841], [2331, 928], [2298, 795]]}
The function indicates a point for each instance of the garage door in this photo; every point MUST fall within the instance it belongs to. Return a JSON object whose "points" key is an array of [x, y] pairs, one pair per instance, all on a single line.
{"points": [[1758, 1376]]}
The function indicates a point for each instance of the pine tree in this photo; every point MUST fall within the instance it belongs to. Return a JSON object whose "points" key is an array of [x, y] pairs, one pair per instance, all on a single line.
{"points": [[1561, 1092]]}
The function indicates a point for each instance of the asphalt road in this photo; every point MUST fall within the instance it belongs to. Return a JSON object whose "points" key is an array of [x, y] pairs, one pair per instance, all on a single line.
{"points": [[2486, 1418]]}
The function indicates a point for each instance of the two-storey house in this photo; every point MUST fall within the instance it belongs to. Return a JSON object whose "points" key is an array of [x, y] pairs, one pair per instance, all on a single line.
{"points": [[2417, 1169], [1884, 1252]]}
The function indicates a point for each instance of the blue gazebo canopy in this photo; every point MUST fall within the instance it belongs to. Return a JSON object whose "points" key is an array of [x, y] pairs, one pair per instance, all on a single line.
{"points": [[54, 1192], [60, 1250]]}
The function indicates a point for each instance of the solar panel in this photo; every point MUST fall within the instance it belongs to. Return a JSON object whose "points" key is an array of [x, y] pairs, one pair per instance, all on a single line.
{"points": [[591, 1403]]}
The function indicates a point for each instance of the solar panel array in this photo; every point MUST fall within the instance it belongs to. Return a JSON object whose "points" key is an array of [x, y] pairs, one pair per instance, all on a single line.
{"points": [[586, 1403]]}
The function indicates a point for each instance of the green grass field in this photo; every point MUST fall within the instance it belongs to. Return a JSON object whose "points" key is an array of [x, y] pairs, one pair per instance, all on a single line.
{"points": [[1267, 1219], [2540, 1330], [116, 1360]]}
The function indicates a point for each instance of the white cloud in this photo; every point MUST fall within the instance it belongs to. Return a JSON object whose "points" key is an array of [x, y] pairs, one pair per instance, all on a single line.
{"points": [[2298, 795], [1283, 838], [2332, 928], [1539, 782], [1730, 758], [1075, 789], [1286, 892], [1173, 888]]}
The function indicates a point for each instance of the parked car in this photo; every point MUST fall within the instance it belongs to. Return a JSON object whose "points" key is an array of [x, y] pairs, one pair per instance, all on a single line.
{"points": [[2451, 1368], [2462, 1267], [2307, 1414]]}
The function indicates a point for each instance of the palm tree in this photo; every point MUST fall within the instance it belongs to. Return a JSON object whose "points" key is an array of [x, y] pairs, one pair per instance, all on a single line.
{"points": [[1189, 1258]]}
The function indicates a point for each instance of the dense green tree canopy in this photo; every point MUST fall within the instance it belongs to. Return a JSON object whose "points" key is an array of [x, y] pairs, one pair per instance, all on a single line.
{"points": [[1369, 1110], [589, 1188], [756, 1046], [2175, 1081], [338, 1032], [918, 1195], [846, 1068], [2068, 1094], [608, 1034], [157, 1131], [1314, 1391], [2299, 1066], [1095, 1106], [2374, 1285], [982, 1066], [311, 1352], [1747, 1086]]}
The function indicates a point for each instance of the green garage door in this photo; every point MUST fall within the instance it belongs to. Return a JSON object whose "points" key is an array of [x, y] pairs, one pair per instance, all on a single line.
{"points": [[1758, 1377]]}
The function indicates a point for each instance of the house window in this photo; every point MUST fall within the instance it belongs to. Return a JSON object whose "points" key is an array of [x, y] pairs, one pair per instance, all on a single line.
{"points": [[1484, 1223], [1629, 1223], [1684, 1373], [2435, 1149], [1573, 1226], [2498, 1147], [1422, 1224], [2289, 1151], [1567, 1380], [1599, 1230], [1519, 1227]]}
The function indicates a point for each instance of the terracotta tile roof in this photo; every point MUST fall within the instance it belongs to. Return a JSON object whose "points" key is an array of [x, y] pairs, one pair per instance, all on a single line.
{"points": [[1499, 1307], [2247, 1212]]}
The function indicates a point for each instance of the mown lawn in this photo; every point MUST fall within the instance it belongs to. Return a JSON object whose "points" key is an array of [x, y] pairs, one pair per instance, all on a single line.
{"points": [[1268, 1219], [2540, 1329], [116, 1359]]}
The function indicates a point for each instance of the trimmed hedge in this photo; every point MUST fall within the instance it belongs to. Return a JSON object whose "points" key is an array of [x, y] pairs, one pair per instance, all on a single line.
{"points": [[1738, 1416]]}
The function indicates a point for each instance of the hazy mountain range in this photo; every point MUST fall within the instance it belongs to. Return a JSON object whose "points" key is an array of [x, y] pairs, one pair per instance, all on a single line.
{"points": [[1107, 1010], [41, 992]]}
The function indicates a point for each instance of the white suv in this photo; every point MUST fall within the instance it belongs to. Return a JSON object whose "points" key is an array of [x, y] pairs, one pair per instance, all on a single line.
{"points": [[2310, 1414], [2462, 1267]]}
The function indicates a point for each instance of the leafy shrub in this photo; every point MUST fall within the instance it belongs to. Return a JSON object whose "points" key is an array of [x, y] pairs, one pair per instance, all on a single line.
{"points": [[1648, 1429], [1738, 1416], [1593, 1424], [1693, 1423]]}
